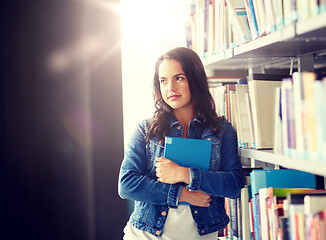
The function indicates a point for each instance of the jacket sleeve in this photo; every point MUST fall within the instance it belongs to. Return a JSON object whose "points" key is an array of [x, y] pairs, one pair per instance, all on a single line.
{"points": [[135, 184], [230, 179]]}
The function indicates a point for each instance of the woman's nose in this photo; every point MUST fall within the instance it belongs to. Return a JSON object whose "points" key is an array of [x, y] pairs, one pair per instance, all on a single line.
{"points": [[171, 86]]}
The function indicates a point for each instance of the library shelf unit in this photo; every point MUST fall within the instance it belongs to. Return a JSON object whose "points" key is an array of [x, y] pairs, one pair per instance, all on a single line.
{"points": [[276, 49], [301, 44]]}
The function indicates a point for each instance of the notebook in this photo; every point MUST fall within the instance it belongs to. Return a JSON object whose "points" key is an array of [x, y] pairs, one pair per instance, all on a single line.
{"points": [[188, 152]]}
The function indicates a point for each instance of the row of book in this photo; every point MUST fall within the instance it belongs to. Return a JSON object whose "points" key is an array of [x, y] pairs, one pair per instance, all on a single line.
{"points": [[212, 26], [248, 105], [300, 116], [215, 25], [278, 204], [280, 112]]}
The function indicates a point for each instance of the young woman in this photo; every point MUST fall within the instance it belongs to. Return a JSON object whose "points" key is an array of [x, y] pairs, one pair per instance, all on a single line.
{"points": [[184, 108]]}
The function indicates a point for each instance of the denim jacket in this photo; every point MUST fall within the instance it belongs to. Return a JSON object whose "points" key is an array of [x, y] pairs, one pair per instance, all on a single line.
{"points": [[138, 181]]}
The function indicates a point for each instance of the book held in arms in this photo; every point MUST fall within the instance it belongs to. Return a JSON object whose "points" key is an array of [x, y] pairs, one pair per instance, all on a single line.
{"points": [[188, 152]]}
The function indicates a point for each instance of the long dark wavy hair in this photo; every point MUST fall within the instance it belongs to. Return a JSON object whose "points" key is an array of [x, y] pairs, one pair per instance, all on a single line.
{"points": [[198, 85]]}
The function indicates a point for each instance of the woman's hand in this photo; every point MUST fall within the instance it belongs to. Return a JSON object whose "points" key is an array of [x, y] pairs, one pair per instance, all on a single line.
{"points": [[169, 172], [199, 198]]}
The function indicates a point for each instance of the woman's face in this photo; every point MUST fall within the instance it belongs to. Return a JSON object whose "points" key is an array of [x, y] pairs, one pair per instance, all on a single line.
{"points": [[174, 85]]}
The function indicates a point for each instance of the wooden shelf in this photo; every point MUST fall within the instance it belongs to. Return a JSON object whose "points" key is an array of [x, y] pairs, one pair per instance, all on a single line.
{"points": [[314, 166]]}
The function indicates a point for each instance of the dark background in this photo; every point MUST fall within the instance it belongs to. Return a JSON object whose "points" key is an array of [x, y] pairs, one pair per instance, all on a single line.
{"points": [[61, 141]]}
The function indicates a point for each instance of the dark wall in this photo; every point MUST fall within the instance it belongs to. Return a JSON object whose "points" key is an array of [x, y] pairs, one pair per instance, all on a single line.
{"points": [[61, 120]]}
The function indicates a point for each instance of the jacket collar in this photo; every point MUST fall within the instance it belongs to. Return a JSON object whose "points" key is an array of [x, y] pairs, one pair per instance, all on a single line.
{"points": [[174, 121]]}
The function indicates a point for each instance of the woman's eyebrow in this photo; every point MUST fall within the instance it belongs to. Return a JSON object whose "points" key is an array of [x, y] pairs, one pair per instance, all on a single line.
{"points": [[178, 74]]}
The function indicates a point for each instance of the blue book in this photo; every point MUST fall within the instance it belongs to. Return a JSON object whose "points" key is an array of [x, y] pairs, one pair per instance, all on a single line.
{"points": [[188, 152], [281, 178]]}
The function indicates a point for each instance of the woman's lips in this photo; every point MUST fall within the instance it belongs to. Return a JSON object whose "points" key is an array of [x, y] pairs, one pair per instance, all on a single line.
{"points": [[174, 97]]}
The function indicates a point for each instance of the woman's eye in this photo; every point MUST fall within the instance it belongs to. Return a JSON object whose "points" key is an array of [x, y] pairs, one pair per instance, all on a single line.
{"points": [[179, 78], [162, 81]]}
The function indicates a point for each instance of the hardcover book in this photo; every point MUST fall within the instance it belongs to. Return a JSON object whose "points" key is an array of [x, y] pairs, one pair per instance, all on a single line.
{"points": [[281, 178], [245, 218], [243, 125], [261, 93], [188, 152]]}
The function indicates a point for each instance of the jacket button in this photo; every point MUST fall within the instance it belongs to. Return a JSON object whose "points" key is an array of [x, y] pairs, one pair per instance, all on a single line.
{"points": [[158, 232], [179, 127], [195, 211], [164, 213], [202, 231], [209, 139]]}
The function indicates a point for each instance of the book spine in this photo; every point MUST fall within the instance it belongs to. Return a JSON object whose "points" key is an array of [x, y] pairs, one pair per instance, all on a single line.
{"points": [[277, 136], [245, 219], [257, 222], [254, 17], [270, 16], [310, 113], [240, 22], [252, 142], [320, 103], [252, 219], [263, 193], [298, 96], [251, 19], [288, 117]]}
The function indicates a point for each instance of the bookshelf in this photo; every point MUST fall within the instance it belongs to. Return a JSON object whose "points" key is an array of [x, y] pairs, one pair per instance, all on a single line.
{"points": [[299, 46], [278, 49], [290, 42]]}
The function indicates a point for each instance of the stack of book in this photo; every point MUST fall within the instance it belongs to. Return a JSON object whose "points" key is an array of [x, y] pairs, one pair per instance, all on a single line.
{"points": [[277, 204]]}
